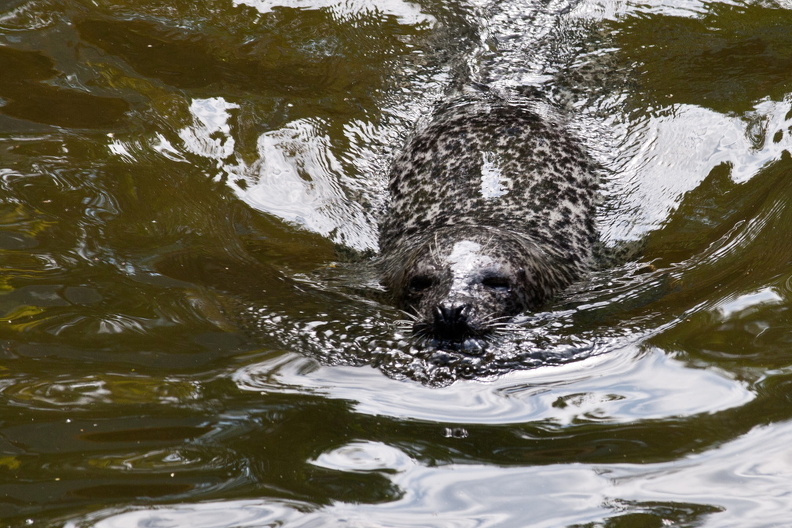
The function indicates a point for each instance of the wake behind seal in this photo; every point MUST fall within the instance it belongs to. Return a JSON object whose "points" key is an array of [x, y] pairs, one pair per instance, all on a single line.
{"points": [[491, 213]]}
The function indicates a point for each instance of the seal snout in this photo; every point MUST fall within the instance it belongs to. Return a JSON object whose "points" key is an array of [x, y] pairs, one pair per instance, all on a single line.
{"points": [[452, 321]]}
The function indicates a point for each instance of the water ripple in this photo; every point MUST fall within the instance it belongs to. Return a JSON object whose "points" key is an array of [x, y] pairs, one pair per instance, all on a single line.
{"points": [[744, 483], [622, 387]]}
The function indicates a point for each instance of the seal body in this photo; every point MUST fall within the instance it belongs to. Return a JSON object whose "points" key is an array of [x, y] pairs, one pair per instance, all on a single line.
{"points": [[491, 213]]}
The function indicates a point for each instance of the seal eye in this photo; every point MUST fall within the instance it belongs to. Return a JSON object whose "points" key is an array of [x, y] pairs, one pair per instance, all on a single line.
{"points": [[420, 283], [496, 282]]}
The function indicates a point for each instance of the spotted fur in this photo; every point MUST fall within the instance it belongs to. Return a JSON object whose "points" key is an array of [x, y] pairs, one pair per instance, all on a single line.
{"points": [[491, 213]]}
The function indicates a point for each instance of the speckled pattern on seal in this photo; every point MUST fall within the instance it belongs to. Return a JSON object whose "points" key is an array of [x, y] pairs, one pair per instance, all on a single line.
{"points": [[513, 184]]}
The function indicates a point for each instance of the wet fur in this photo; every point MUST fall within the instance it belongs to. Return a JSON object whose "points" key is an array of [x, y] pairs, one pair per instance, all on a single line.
{"points": [[535, 227]]}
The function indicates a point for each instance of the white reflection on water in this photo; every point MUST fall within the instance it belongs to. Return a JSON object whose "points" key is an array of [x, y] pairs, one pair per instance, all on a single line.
{"points": [[749, 479], [210, 136], [366, 456], [210, 515], [666, 156], [296, 178], [405, 12], [748, 302], [618, 387]]}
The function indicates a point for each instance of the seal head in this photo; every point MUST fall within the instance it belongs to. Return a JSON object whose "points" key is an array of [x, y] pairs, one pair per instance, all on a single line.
{"points": [[468, 282]]}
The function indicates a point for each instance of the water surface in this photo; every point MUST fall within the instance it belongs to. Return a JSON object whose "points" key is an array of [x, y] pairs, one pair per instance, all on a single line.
{"points": [[191, 332]]}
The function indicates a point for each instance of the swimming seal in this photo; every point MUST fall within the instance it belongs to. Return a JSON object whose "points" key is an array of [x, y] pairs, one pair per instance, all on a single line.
{"points": [[491, 213]]}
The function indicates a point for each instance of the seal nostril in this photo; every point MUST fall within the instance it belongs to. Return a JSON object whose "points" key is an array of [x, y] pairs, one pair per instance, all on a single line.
{"points": [[452, 314], [451, 321], [462, 312], [439, 315]]}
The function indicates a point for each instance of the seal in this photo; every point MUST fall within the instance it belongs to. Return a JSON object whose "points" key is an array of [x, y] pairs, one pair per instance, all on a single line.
{"points": [[491, 213]]}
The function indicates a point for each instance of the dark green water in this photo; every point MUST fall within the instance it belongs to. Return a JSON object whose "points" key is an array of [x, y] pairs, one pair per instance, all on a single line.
{"points": [[191, 333]]}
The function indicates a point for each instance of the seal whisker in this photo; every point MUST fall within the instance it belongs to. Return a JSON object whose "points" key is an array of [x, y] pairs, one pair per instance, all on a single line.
{"points": [[492, 320], [411, 317], [495, 326], [421, 332]]}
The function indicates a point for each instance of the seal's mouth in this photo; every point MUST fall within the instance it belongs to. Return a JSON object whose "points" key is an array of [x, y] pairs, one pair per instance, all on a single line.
{"points": [[471, 346], [457, 337], [454, 327], [467, 344]]}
